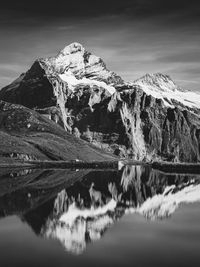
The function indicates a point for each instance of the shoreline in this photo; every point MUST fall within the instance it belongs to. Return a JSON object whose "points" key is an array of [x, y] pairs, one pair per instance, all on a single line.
{"points": [[60, 164], [178, 168], [166, 167]]}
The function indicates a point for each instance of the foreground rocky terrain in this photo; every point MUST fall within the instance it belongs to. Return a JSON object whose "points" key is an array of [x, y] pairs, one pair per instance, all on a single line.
{"points": [[27, 135], [151, 118]]}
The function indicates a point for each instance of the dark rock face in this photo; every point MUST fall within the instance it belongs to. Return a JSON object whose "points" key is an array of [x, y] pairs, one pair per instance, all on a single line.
{"points": [[140, 120], [31, 89], [139, 126], [158, 131], [98, 125]]}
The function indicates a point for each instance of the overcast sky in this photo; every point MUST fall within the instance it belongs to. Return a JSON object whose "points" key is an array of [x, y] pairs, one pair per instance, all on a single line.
{"points": [[133, 37]]}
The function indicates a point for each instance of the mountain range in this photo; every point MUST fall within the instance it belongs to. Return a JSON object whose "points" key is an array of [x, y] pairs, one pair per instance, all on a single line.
{"points": [[72, 100]]}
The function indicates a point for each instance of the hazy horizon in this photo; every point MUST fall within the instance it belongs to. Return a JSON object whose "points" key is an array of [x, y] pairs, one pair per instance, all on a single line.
{"points": [[132, 37]]}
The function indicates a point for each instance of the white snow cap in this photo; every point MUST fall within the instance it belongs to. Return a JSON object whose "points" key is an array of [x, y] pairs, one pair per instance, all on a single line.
{"points": [[162, 87], [75, 66], [160, 81], [72, 48]]}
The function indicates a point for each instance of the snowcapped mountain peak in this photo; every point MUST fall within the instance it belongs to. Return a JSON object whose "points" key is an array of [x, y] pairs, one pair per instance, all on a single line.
{"points": [[76, 61], [72, 48], [160, 81], [156, 76], [161, 86]]}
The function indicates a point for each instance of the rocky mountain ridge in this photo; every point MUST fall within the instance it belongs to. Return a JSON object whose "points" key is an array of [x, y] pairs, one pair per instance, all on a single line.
{"points": [[146, 119], [75, 60]]}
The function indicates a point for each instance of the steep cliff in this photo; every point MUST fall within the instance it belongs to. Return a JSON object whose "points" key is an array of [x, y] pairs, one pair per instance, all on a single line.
{"points": [[156, 130], [149, 118]]}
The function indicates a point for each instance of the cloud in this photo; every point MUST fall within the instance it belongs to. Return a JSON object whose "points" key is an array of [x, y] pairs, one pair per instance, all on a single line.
{"points": [[181, 57]]}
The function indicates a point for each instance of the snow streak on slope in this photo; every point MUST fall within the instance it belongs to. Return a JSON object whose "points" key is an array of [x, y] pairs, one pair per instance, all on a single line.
{"points": [[73, 82], [132, 123], [162, 87]]}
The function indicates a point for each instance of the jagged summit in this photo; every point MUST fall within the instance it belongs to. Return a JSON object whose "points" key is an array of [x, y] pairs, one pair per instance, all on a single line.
{"points": [[76, 61], [159, 80], [72, 48], [161, 86], [73, 66], [155, 76]]}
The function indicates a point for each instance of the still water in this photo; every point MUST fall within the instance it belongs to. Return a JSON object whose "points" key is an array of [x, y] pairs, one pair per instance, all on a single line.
{"points": [[133, 217]]}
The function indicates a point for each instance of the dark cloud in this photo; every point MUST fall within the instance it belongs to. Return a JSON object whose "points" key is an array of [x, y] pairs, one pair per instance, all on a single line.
{"points": [[30, 14], [95, 7]]}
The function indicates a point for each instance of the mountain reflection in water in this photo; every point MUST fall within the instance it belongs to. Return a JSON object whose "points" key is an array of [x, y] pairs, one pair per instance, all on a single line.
{"points": [[77, 207]]}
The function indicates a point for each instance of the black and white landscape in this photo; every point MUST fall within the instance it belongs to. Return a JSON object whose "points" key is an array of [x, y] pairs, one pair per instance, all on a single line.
{"points": [[99, 133], [149, 118]]}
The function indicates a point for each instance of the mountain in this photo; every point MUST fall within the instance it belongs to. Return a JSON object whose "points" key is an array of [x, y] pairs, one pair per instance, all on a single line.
{"points": [[150, 118], [73, 65], [74, 60], [162, 87]]}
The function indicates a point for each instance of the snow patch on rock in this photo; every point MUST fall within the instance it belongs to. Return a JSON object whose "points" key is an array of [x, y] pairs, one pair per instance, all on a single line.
{"points": [[72, 82]]}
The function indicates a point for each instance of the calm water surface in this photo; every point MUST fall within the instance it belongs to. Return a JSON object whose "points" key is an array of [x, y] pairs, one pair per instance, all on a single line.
{"points": [[132, 217]]}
